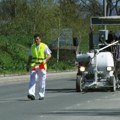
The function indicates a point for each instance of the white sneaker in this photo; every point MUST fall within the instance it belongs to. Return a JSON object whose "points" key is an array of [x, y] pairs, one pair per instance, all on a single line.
{"points": [[41, 96]]}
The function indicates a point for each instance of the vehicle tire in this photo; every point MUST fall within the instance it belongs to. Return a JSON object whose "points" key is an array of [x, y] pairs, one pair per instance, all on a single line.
{"points": [[114, 87], [79, 83]]}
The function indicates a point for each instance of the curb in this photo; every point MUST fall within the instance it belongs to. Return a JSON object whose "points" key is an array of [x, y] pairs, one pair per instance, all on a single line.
{"points": [[25, 78]]}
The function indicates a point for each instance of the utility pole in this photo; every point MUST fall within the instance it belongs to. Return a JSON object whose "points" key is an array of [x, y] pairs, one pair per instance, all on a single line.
{"points": [[58, 39], [58, 48], [105, 10]]}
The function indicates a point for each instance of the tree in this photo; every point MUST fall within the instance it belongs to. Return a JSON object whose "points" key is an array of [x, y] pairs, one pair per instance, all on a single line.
{"points": [[113, 5]]}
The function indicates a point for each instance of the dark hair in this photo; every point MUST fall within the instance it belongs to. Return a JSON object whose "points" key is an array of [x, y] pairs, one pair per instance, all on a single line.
{"points": [[36, 35]]}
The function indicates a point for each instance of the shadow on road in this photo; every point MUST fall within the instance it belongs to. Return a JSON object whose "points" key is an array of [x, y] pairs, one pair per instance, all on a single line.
{"points": [[70, 90], [61, 90], [87, 112]]}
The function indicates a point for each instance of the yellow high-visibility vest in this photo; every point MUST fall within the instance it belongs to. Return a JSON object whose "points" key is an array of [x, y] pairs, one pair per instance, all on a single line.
{"points": [[38, 54]]}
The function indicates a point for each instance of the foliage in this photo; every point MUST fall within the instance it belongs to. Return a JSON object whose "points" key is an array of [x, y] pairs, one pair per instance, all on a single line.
{"points": [[20, 19]]}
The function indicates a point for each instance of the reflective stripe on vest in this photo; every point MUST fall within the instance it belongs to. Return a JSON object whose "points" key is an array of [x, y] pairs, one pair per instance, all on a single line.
{"points": [[38, 54]]}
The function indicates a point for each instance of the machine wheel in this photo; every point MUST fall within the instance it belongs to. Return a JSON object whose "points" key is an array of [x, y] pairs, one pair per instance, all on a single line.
{"points": [[79, 83], [113, 89]]}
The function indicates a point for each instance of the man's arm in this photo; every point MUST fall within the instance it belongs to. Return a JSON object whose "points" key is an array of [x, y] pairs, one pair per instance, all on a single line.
{"points": [[47, 53], [47, 58]]}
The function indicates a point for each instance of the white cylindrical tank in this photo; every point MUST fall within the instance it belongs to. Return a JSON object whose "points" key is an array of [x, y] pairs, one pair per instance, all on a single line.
{"points": [[104, 59]]}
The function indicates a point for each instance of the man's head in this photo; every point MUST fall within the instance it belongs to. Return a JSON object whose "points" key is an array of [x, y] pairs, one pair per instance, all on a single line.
{"points": [[37, 39]]}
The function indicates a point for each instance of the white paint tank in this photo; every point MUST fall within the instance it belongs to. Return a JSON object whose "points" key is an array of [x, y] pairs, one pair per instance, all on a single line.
{"points": [[104, 59]]}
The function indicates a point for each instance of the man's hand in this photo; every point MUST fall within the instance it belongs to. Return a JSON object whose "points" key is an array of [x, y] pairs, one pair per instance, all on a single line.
{"points": [[44, 61], [47, 58]]}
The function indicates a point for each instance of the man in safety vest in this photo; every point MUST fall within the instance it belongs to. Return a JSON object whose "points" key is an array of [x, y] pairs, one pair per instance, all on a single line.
{"points": [[37, 61]]}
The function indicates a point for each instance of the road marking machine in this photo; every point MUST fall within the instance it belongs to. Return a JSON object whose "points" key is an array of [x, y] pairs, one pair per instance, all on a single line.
{"points": [[100, 67]]}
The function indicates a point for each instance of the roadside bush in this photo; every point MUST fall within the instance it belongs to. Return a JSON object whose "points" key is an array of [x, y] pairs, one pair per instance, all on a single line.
{"points": [[60, 66]]}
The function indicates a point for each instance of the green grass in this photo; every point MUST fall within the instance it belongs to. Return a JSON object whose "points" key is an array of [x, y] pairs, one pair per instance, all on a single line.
{"points": [[13, 54]]}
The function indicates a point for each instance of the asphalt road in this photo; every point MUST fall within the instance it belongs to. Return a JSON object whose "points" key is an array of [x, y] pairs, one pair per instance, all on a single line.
{"points": [[61, 101]]}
